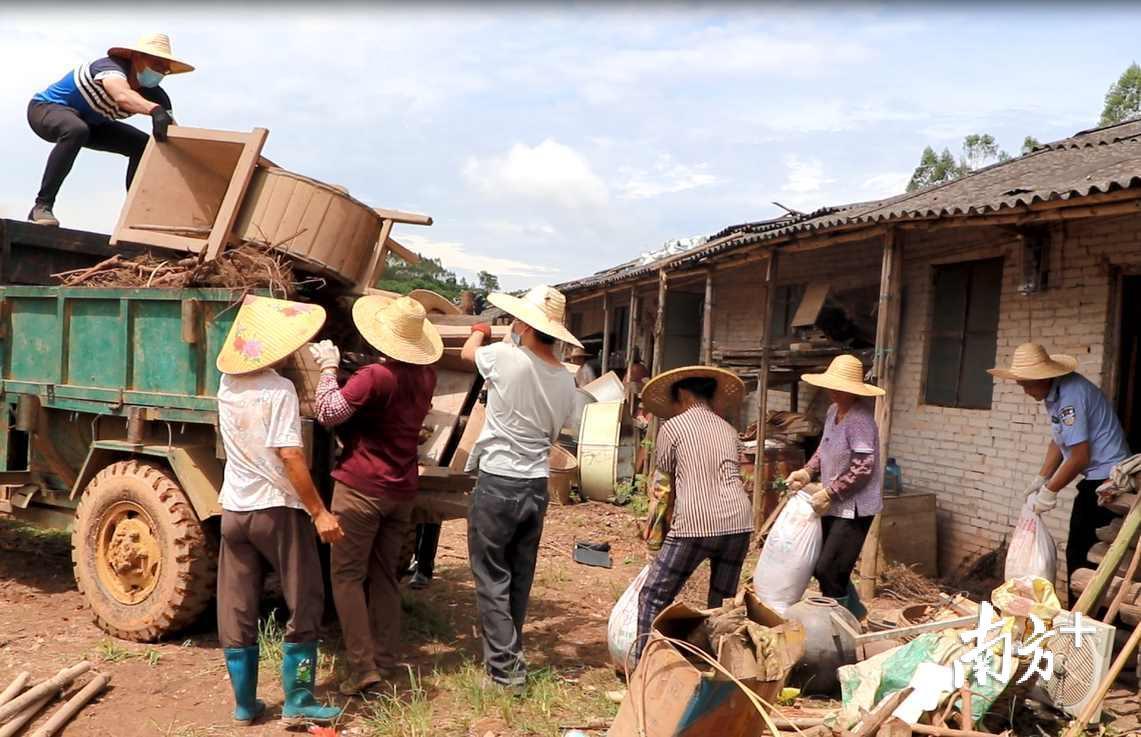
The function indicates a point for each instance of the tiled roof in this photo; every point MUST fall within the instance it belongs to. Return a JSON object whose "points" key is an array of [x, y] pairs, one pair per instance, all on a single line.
{"points": [[1091, 162]]}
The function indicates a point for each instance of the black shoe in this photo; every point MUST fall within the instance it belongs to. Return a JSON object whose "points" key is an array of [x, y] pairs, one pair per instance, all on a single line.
{"points": [[42, 215]]}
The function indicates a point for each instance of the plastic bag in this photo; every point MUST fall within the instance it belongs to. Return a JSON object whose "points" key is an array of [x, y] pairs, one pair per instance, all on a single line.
{"points": [[1032, 549], [789, 555], [622, 628]]}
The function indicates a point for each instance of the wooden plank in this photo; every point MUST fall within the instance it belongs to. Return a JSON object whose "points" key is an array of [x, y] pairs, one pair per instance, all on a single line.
{"points": [[239, 182], [452, 390], [472, 429], [766, 318], [399, 216], [917, 629], [810, 305], [406, 255], [457, 335], [374, 269]]}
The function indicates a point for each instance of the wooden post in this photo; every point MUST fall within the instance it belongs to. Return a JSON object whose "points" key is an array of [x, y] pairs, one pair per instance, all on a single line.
{"points": [[605, 332], [883, 369], [660, 324], [763, 393], [631, 327], [707, 321]]}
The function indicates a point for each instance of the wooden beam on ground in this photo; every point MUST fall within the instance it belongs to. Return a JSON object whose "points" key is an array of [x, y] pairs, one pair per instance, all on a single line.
{"points": [[605, 332], [883, 368], [399, 216], [766, 318], [707, 321], [660, 323]]}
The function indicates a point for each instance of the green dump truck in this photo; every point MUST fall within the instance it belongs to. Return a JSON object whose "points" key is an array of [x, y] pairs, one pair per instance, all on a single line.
{"points": [[110, 430]]}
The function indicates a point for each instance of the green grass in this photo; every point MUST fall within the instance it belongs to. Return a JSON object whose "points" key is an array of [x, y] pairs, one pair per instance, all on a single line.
{"points": [[110, 651], [407, 714], [271, 635], [425, 621]]}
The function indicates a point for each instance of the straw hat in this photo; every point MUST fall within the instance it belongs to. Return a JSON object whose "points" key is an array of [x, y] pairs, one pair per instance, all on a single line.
{"points": [[398, 328], [845, 374], [153, 44], [543, 308], [657, 396], [265, 331], [579, 352], [1031, 361], [435, 303]]}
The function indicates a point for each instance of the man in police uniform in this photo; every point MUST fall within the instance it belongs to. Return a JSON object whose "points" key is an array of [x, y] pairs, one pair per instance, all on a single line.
{"points": [[1086, 440]]}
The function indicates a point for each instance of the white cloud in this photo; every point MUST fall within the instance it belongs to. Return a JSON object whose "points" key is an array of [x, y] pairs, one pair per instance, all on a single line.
{"points": [[886, 184], [667, 176], [531, 230], [805, 176], [549, 171], [454, 255]]}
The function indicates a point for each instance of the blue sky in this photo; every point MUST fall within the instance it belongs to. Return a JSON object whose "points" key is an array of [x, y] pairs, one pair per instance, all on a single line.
{"points": [[551, 141]]}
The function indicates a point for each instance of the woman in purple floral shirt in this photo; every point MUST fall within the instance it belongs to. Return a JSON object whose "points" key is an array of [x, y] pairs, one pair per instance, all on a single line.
{"points": [[850, 492]]}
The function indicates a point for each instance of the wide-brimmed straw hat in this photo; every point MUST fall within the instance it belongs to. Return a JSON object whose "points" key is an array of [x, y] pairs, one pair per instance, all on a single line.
{"points": [[266, 331], [153, 44], [579, 352], [845, 374], [543, 308], [1032, 362], [657, 395], [398, 328], [435, 303]]}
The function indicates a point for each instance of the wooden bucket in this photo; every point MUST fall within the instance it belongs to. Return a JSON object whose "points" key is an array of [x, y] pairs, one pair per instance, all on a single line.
{"points": [[564, 471]]}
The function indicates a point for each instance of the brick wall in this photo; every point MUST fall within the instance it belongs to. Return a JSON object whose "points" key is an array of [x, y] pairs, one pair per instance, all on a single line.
{"points": [[977, 461]]}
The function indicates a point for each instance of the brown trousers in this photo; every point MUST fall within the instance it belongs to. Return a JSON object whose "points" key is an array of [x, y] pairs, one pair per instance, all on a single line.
{"points": [[368, 556], [280, 538]]}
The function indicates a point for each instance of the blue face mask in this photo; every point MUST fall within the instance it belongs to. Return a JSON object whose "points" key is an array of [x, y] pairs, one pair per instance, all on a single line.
{"points": [[516, 338], [149, 77]]}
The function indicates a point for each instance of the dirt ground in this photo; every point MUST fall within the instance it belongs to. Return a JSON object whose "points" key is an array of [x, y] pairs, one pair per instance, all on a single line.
{"points": [[180, 689]]}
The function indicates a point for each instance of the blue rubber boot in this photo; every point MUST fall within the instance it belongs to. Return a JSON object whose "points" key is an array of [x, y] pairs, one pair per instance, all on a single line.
{"points": [[298, 680], [242, 664]]}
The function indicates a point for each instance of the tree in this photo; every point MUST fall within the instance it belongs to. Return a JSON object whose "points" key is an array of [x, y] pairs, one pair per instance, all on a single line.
{"points": [[428, 274], [1123, 101], [488, 282], [979, 150], [1029, 144]]}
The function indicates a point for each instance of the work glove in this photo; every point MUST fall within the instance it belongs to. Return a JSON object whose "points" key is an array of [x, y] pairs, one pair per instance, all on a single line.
{"points": [[1045, 500], [160, 121], [820, 499], [482, 327], [327, 355], [1034, 486], [798, 479]]}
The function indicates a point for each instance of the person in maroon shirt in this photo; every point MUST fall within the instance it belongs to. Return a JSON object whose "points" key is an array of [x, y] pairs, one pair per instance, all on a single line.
{"points": [[378, 414]]}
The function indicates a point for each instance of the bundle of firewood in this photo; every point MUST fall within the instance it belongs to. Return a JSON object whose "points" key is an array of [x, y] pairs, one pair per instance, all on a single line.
{"points": [[21, 701]]}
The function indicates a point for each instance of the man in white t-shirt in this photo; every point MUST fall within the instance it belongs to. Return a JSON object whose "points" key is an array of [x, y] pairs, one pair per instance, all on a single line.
{"points": [[530, 395], [270, 507]]}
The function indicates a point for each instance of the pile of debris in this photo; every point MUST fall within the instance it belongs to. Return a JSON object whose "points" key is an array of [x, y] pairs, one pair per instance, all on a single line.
{"points": [[21, 701], [252, 265]]}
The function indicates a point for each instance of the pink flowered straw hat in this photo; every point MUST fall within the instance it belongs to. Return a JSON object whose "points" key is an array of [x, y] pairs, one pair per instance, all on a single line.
{"points": [[266, 331]]}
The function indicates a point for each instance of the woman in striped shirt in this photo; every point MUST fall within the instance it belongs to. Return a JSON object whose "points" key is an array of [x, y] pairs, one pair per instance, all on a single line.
{"points": [[712, 516], [851, 477]]}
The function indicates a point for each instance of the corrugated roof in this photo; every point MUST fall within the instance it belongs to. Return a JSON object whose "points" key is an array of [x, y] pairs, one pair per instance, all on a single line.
{"points": [[1090, 162]]}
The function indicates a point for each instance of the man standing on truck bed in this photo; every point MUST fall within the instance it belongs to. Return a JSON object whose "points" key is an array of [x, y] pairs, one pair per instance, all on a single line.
{"points": [[83, 110], [378, 414], [530, 396], [268, 499]]}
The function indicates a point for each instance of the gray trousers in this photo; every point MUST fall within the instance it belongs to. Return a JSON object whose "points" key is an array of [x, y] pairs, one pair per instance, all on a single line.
{"points": [[505, 522], [252, 543]]}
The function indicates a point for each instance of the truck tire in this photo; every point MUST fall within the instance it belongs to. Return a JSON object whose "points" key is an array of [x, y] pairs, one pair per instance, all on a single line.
{"points": [[142, 559]]}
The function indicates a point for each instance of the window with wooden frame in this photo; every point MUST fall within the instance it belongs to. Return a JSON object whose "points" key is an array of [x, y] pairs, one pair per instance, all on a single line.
{"points": [[963, 337], [785, 302]]}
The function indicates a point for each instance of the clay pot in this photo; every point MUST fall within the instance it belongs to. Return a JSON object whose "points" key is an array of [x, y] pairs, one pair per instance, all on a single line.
{"points": [[827, 646]]}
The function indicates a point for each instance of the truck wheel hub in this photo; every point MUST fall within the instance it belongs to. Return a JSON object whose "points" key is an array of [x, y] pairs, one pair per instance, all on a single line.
{"points": [[128, 553]]}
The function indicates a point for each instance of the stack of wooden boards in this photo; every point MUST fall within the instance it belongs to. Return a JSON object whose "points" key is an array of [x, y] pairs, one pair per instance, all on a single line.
{"points": [[1130, 607]]}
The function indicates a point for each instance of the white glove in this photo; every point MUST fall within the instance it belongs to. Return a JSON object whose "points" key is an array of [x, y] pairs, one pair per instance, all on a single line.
{"points": [[1034, 487], [327, 355], [798, 478], [1045, 501]]}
